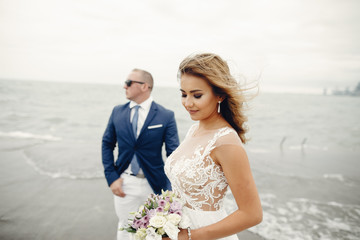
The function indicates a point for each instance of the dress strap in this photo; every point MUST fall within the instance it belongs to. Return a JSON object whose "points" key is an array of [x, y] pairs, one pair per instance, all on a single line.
{"points": [[219, 133], [191, 130]]}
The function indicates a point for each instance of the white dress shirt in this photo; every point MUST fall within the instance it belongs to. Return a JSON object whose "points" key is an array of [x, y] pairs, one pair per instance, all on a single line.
{"points": [[143, 112]]}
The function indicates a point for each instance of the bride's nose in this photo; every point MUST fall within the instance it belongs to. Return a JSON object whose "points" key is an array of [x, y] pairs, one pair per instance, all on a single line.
{"points": [[188, 102]]}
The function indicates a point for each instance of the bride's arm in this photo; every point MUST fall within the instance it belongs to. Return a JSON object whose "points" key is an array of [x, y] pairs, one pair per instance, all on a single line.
{"points": [[235, 164]]}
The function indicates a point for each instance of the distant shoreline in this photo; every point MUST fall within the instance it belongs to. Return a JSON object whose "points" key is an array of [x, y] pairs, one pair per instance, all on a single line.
{"points": [[276, 89]]}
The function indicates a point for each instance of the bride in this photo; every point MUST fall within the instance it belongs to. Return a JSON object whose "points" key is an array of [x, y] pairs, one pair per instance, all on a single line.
{"points": [[212, 156]]}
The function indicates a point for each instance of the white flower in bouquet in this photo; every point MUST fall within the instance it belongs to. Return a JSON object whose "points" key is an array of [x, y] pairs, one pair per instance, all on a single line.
{"points": [[158, 221], [161, 231], [152, 235], [174, 218], [184, 222], [171, 230], [140, 234], [141, 208]]}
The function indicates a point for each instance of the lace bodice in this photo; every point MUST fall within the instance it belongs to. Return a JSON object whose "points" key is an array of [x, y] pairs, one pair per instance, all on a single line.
{"points": [[193, 174]]}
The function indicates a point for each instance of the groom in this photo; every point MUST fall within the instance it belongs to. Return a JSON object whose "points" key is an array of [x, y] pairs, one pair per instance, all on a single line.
{"points": [[139, 127]]}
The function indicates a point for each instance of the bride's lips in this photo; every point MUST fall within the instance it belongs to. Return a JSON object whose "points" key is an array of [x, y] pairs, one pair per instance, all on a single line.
{"points": [[193, 111]]}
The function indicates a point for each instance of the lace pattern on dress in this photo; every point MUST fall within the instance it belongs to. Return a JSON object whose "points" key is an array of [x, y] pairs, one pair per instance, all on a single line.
{"points": [[194, 176]]}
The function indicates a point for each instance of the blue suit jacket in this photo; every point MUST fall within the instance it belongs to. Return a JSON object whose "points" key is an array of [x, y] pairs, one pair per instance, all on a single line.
{"points": [[159, 127]]}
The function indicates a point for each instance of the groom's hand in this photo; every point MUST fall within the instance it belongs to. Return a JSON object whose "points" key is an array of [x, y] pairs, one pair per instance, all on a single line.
{"points": [[116, 188]]}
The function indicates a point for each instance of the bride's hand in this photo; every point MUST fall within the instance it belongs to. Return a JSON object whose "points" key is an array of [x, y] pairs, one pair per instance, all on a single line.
{"points": [[183, 235]]}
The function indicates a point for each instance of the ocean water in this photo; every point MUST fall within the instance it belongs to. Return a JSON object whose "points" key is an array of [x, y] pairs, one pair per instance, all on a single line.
{"points": [[304, 150]]}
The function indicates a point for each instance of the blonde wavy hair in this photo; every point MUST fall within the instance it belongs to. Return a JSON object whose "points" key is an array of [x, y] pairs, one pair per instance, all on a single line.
{"points": [[216, 72]]}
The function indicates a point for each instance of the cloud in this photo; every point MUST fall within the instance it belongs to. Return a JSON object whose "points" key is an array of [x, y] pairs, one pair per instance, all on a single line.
{"points": [[314, 43]]}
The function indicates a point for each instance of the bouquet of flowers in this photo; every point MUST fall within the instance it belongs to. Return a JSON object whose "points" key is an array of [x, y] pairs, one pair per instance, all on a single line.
{"points": [[160, 216]]}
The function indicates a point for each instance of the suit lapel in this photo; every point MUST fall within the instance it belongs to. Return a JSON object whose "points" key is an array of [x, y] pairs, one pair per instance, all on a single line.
{"points": [[150, 116]]}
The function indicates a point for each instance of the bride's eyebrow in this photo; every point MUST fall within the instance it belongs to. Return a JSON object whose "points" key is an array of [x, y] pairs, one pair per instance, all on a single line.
{"points": [[192, 91]]}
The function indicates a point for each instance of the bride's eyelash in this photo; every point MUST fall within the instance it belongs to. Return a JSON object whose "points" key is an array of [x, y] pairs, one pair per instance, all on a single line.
{"points": [[197, 96]]}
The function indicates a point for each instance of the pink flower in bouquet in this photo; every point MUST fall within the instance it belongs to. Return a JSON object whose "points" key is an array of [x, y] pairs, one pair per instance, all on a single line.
{"points": [[175, 207], [159, 209], [150, 213], [162, 203], [178, 212], [136, 224], [144, 221]]}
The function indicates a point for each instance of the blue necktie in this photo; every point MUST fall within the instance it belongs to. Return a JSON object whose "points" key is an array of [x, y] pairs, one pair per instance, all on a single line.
{"points": [[134, 163]]}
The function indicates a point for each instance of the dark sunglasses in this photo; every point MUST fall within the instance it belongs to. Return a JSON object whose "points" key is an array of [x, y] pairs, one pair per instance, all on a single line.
{"points": [[129, 82]]}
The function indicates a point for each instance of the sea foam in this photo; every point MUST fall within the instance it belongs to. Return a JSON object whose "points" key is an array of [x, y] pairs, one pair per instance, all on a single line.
{"points": [[26, 135]]}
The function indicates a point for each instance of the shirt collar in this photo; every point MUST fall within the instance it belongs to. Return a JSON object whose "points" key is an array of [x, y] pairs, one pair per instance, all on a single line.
{"points": [[144, 105]]}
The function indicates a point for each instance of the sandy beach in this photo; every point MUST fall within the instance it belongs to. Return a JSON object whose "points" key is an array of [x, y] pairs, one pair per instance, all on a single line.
{"points": [[35, 206]]}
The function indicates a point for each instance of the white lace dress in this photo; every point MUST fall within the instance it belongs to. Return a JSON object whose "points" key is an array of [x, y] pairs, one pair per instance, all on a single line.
{"points": [[197, 179]]}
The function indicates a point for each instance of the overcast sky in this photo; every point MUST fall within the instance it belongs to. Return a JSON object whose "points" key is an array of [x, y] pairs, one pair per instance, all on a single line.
{"points": [[292, 44]]}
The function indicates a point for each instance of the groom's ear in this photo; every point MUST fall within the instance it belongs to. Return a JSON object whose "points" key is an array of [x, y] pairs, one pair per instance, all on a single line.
{"points": [[144, 87]]}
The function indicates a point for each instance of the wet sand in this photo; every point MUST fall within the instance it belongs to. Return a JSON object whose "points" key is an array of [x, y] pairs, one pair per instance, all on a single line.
{"points": [[35, 206]]}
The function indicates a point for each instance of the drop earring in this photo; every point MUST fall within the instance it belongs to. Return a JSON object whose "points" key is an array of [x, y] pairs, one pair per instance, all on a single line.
{"points": [[219, 106]]}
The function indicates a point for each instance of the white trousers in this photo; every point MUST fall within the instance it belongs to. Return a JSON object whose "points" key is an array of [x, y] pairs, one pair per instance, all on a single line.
{"points": [[137, 190]]}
